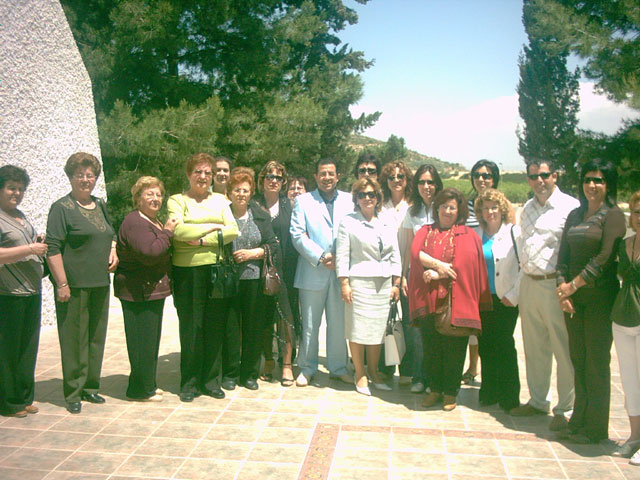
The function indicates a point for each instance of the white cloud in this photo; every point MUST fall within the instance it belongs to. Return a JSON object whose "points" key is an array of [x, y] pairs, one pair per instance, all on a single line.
{"points": [[481, 130]]}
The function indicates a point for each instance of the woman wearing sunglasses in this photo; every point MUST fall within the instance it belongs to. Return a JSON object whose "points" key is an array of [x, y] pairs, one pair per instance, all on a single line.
{"points": [[587, 288], [368, 268]]}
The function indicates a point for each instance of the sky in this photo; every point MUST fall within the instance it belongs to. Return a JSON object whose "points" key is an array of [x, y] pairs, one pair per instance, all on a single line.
{"points": [[445, 77]]}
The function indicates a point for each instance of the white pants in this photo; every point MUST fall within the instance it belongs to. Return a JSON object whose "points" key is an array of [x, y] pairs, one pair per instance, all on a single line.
{"points": [[627, 340], [544, 335]]}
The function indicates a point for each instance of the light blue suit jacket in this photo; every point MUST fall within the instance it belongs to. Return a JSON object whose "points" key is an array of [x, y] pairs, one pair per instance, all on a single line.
{"points": [[314, 233]]}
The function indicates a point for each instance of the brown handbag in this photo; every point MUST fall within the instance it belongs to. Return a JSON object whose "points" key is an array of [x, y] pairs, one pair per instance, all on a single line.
{"points": [[442, 321], [271, 282]]}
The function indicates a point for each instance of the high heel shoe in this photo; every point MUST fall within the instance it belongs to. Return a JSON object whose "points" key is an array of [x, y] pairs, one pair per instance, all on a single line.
{"points": [[363, 390], [468, 378], [383, 387], [627, 449], [286, 382]]}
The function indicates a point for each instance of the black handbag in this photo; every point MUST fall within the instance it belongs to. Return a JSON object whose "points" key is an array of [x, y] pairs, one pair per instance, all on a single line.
{"points": [[271, 282], [225, 279]]}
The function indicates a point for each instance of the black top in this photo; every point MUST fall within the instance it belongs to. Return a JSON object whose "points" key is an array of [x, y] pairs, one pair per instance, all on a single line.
{"points": [[588, 248], [626, 310]]}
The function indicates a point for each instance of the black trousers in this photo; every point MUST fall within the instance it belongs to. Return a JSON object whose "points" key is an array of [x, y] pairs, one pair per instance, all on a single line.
{"points": [[143, 328], [82, 331], [202, 326], [443, 358], [244, 332], [19, 337], [500, 380], [590, 339]]}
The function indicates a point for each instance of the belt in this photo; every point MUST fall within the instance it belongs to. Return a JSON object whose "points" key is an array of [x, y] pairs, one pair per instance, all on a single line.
{"points": [[548, 276]]}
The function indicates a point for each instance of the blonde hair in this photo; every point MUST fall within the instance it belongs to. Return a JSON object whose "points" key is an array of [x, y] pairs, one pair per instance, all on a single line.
{"points": [[493, 195], [360, 185], [142, 184]]}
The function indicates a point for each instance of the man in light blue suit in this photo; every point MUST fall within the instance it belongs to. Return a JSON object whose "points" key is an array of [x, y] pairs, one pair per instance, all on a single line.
{"points": [[314, 227]]}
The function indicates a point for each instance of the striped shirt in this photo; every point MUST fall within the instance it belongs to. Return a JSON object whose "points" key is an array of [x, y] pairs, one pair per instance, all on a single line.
{"points": [[22, 277]]}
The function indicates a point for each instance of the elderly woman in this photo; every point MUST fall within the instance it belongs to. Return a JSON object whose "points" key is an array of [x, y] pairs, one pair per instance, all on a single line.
{"points": [[21, 251], [82, 253], [425, 186], [200, 214], [500, 380], [449, 243], [626, 330], [141, 283], [587, 288], [241, 363], [368, 268], [272, 181]]}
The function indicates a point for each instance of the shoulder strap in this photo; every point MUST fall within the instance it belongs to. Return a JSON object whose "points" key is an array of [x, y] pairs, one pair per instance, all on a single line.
{"points": [[515, 247]]}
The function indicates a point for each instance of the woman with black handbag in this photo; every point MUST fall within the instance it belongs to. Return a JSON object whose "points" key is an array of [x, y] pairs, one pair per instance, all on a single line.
{"points": [[242, 349], [454, 287], [200, 215]]}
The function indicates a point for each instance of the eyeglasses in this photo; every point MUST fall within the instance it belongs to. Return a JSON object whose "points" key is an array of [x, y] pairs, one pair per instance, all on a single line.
{"points": [[367, 171], [494, 209], [206, 173], [274, 178], [543, 175], [483, 176], [86, 176], [363, 195], [595, 180], [428, 182], [398, 177]]}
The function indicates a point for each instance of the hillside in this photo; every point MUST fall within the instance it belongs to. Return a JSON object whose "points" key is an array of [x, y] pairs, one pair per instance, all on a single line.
{"points": [[414, 159]]}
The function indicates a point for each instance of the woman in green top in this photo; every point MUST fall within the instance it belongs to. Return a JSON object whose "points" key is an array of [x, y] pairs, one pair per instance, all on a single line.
{"points": [[82, 253], [626, 329], [200, 214]]}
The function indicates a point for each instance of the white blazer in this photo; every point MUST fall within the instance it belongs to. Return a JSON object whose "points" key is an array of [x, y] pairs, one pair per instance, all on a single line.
{"points": [[367, 249], [507, 271]]}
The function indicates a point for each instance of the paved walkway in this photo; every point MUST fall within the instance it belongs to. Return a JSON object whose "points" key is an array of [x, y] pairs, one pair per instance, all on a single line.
{"points": [[285, 433]]}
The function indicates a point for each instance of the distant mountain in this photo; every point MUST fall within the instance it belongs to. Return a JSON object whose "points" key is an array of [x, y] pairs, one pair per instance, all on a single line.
{"points": [[414, 159]]}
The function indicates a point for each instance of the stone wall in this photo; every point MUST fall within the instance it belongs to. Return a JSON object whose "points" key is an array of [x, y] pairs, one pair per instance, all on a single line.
{"points": [[46, 106]]}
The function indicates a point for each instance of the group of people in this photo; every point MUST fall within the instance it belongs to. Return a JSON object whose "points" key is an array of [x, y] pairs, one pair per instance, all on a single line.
{"points": [[456, 268]]}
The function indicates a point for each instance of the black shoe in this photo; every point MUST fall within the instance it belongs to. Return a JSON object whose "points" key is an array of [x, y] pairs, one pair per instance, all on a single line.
{"points": [[186, 396], [229, 384], [92, 398], [251, 384], [216, 393], [74, 407]]}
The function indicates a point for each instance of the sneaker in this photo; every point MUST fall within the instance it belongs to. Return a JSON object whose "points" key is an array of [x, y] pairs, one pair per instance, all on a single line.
{"points": [[526, 411], [417, 387], [558, 423]]}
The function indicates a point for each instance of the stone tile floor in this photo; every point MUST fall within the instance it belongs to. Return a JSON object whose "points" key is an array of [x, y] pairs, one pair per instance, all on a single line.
{"points": [[320, 432]]}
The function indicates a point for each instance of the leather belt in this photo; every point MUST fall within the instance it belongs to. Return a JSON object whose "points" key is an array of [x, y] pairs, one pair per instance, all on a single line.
{"points": [[548, 276]]}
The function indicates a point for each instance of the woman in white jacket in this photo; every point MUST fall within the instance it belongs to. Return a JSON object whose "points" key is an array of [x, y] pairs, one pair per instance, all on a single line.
{"points": [[500, 381]]}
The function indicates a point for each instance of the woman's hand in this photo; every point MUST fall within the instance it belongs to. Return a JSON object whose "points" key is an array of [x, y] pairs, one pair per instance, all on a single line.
{"points": [[429, 275], [445, 270], [63, 294], [567, 306], [171, 224], [346, 293], [244, 254], [404, 285], [564, 290], [38, 248], [395, 293], [505, 301], [113, 260]]}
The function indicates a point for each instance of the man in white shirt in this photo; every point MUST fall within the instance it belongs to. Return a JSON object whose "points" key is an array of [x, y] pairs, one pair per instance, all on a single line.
{"points": [[544, 332]]}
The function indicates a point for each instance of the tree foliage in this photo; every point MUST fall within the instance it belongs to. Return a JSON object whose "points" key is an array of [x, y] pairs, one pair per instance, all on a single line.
{"points": [[254, 80], [604, 33]]}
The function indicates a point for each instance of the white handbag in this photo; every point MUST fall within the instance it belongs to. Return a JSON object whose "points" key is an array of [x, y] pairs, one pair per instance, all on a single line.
{"points": [[394, 344]]}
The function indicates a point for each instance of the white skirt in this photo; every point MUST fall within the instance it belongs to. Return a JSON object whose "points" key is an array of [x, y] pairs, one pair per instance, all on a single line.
{"points": [[365, 319]]}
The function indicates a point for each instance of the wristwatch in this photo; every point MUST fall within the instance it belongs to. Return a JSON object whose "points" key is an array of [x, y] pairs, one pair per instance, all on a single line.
{"points": [[322, 257]]}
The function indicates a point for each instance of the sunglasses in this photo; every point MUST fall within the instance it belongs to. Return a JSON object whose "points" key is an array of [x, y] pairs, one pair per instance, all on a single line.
{"points": [[595, 180], [363, 195], [483, 176], [543, 175], [274, 178], [400, 176], [369, 171], [428, 182]]}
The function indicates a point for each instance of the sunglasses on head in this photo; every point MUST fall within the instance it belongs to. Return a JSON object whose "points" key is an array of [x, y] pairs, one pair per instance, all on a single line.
{"points": [[543, 175], [400, 176], [363, 195], [274, 178], [428, 182], [365, 170], [484, 176], [595, 180]]}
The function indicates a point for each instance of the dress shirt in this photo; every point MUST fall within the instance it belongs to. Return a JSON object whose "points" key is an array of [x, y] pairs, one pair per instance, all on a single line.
{"points": [[542, 227]]}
